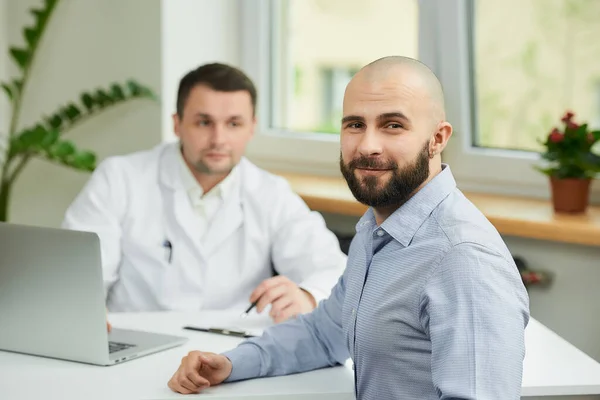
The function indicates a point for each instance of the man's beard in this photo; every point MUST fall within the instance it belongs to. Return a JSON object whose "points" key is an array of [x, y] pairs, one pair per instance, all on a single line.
{"points": [[201, 167], [400, 186]]}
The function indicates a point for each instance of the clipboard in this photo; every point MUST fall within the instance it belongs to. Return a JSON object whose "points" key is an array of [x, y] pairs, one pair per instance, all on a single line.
{"points": [[222, 331]]}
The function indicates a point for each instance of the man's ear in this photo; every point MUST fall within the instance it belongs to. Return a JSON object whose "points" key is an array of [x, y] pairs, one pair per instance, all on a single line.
{"points": [[254, 125], [440, 138], [176, 124]]}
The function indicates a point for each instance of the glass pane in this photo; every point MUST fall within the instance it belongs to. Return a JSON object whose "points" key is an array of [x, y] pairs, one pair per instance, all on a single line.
{"points": [[533, 60], [318, 45]]}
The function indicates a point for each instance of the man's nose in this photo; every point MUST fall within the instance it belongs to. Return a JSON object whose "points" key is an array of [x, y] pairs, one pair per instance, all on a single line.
{"points": [[370, 143], [218, 134]]}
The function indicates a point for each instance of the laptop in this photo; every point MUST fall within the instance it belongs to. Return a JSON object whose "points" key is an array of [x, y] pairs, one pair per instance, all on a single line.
{"points": [[52, 300]]}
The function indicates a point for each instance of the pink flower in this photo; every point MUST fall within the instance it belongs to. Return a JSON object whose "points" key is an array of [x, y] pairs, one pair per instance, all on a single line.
{"points": [[572, 125], [555, 136], [568, 116]]}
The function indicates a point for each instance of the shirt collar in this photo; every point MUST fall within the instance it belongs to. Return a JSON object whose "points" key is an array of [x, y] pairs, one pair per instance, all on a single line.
{"points": [[195, 191], [406, 220]]}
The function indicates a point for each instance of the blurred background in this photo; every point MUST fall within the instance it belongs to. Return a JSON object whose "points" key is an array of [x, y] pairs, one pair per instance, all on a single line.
{"points": [[510, 70]]}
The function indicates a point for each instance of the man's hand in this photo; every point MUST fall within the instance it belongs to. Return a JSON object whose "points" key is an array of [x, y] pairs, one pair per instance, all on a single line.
{"points": [[286, 298], [199, 370], [108, 325]]}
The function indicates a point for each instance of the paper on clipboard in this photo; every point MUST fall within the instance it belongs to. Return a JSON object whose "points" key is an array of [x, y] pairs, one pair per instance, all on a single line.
{"points": [[254, 324]]}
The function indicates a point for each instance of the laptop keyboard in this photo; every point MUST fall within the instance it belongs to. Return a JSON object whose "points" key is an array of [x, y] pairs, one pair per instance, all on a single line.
{"points": [[113, 347]]}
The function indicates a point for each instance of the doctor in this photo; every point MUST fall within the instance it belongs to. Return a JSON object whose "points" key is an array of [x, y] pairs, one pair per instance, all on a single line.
{"points": [[195, 225]]}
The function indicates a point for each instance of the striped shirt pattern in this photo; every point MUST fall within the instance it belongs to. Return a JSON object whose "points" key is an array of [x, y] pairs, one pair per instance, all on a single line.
{"points": [[430, 306]]}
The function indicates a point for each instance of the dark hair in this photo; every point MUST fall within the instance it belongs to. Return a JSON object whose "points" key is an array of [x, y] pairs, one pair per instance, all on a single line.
{"points": [[217, 76]]}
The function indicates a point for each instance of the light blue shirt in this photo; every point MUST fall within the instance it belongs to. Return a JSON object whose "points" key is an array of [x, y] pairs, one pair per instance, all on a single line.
{"points": [[430, 306]]}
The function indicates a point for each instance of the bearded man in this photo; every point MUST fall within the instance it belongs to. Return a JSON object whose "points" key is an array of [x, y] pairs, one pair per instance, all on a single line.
{"points": [[431, 305]]}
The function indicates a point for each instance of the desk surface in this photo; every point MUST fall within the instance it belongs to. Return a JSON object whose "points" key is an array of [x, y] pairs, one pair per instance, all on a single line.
{"points": [[552, 367]]}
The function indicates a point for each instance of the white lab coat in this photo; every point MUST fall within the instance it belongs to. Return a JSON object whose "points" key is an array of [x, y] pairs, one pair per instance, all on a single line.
{"points": [[137, 202]]}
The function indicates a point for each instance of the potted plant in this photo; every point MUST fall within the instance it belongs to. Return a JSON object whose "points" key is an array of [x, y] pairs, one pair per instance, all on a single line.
{"points": [[45, 139], [573, 162]]}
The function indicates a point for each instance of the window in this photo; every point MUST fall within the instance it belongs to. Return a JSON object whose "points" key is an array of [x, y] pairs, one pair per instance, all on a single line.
{"points": [[321, 44], [509, 72], [530, 66], [302, 54]]}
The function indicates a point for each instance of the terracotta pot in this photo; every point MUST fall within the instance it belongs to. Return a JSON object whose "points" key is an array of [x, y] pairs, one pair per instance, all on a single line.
{"points": [[570, 195]]}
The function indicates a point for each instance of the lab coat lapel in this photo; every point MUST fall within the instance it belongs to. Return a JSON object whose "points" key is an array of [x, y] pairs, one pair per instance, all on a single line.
{"points": [[187, 218], [176, 198], [226, 221]]}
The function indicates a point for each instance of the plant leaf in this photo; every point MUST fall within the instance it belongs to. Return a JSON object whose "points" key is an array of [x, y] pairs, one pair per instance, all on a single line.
{"points": [[88, 101], [13, 88], [98, 100], [50, 137], [54, 121], [21, 57], [33, 139], [117, 92], [44, 138], [102, 98], [136, 89], [18, 83], [67, 154], [61, 150], [8, 90], [30, 36], [33, 34], [83, 160], [71, 112]]}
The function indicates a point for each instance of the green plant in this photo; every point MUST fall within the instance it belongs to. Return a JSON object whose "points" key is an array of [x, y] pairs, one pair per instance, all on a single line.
{"points": [[44, 139], [571, 152]]}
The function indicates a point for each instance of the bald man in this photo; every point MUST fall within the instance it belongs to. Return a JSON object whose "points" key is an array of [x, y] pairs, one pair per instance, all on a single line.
{"points": [[431, 305]]}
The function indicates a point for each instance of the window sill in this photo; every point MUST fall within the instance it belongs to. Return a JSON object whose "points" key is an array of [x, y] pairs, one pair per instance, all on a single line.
{"points": [[512, 216]]}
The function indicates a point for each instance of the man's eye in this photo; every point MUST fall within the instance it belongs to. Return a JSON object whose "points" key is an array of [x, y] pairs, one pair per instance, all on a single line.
{"points": [[355, 125], [234, 124], [203, 123], [395, 126]]}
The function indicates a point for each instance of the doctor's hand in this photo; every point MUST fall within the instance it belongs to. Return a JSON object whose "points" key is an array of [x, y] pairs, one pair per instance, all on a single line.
{"points": [[286, 298], [199, 370]]}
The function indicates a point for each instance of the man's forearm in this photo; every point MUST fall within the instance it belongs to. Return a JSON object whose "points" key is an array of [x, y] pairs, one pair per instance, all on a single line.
{"points": [[310, 341]]}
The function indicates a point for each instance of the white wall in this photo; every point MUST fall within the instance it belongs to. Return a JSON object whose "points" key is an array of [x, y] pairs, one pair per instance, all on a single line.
{"points": [[195, 32], [81, 51]]}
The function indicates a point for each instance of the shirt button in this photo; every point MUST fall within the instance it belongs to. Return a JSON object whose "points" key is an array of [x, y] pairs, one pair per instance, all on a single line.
{"points": [[353, 311], [380, 232]]}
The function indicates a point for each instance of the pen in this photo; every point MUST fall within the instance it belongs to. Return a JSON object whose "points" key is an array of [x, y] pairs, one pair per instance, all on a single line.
{"points": [[167, 244], [245, 313], [220, 331]]}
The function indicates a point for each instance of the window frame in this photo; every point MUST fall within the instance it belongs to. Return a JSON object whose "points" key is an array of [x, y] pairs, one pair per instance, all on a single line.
{"points": [[444, 45]]}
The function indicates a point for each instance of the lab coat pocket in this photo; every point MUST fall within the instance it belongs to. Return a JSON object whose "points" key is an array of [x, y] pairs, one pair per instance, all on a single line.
{"points": [[147, 258]]}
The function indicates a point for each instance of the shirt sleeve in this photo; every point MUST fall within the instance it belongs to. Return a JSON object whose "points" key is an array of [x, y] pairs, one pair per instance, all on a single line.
{"points": [[98, 208], [311, 341], [475, 309], [303, 248]]}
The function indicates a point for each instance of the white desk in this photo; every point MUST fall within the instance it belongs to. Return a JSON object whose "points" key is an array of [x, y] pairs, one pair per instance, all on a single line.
{"points": [[552, 367]]}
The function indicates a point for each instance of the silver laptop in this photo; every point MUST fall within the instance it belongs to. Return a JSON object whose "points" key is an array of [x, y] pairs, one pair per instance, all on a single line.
{"points": [[52, 299]]}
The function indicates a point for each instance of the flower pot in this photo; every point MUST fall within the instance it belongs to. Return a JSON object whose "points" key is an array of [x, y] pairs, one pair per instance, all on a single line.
{"points": [[570, 195]]}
